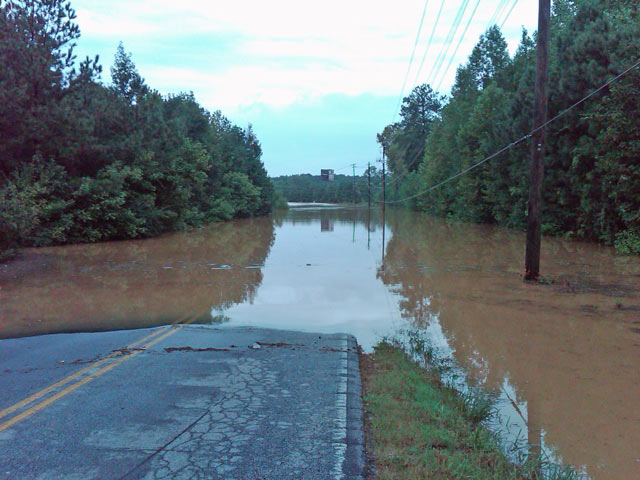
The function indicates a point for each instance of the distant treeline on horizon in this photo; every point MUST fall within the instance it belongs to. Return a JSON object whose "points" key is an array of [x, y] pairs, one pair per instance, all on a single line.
{"points": [[313, 188]]}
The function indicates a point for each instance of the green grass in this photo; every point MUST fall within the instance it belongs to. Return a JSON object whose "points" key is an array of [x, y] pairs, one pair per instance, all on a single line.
{"points": [[419, 428]]}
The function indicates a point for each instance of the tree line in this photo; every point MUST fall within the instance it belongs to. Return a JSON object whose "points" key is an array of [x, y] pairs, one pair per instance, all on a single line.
{"points": [[343, 189], [592, 157], [85, 161]]}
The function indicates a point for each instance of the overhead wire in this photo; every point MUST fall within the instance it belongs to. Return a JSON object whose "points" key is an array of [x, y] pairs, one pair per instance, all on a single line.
{"points": [[393, 180], [429, 43], [521, 139], [515, 2], [496, 14], [453, 56], [448, 41], [413, 52], [443, 52], [343, 168], [440, 58], [433, 31]]}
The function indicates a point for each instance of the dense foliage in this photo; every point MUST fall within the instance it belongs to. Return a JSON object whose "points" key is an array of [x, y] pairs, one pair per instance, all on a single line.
{"points": [[592, 165], [343, 189], [84, 161]]}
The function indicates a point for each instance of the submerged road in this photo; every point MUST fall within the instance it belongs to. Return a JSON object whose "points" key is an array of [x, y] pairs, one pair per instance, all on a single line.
{"points": [[181, 402]]}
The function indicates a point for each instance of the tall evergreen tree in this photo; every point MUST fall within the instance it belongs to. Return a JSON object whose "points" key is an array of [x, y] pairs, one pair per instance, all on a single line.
{"points": [[37, 39], [418, 111], [127, 82]]}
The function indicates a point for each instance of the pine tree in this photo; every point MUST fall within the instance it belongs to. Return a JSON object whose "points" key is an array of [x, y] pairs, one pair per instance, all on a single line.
{"points": [[37, 39]]}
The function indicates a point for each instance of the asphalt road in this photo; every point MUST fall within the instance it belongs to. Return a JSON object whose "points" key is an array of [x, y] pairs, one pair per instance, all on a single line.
{"points": [[181, 402]]}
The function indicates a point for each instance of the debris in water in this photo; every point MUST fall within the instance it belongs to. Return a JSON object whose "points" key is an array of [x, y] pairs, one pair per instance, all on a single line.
{"points": [[191, 349], [255, 346]]}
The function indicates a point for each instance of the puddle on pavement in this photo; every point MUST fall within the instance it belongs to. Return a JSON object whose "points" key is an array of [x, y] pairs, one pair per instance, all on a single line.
{"points": [[564, 356]]}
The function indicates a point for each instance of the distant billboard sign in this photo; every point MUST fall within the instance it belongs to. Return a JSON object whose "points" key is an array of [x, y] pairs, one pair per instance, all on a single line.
{"points": [[327, 175]]}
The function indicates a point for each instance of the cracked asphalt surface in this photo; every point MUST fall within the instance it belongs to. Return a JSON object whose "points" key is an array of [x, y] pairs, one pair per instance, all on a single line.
{"points": [[200, 403]]}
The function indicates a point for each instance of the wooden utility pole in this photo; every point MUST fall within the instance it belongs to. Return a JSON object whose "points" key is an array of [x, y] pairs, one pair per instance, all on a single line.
{"points": [[384, 185], [369, 185], [536, 167]]}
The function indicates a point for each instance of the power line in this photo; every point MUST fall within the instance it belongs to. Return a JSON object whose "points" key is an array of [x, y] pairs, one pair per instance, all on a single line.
{"points": [[348, 166], [342, 168], [443, 52], [395, 179], [404, 83], [441, 57], [458, 46], [415, 81], [406, 76], [497, 13], [448, 41], [499, 9], [515, 2], [433, 31], [504, 8], [522, 139]]}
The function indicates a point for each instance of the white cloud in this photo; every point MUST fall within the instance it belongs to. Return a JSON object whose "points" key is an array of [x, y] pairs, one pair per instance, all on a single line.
{"points": [[105, 25], [282, 51], [284, 64]]}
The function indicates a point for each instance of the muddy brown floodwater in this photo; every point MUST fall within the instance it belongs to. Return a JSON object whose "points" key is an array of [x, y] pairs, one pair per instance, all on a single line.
{"points": [[564, 358]]}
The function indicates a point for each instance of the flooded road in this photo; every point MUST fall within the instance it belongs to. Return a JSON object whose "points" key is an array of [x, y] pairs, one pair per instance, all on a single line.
{"points": [[563, 358]]}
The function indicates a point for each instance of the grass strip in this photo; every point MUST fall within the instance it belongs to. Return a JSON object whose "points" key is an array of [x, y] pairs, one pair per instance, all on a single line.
{"points": [[419, 428]]}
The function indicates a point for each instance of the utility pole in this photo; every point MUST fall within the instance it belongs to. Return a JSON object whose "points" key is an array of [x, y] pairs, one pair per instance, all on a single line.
{"points": [[369, 185], [354, 182], [536, 167], [384, 185]]}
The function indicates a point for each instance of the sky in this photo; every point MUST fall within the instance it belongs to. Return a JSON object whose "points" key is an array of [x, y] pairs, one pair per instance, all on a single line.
{"points": [[317, 80]]}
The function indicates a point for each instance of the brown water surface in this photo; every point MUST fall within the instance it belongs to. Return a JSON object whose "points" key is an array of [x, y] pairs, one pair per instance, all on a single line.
{"points": [[133, 284], [564, 357]]}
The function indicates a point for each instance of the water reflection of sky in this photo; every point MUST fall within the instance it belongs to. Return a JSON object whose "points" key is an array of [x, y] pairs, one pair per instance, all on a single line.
{"points": [[321, 276]]}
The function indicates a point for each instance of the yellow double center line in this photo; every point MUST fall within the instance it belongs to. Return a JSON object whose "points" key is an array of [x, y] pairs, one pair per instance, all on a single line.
{"points": [[159, 335]]}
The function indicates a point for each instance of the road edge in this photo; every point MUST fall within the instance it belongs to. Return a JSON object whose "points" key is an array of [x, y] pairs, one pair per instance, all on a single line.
{"points": [[355, 462]]}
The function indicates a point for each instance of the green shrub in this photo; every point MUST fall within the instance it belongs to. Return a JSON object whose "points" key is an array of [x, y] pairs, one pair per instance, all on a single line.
{"points": [[628, 242]]}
